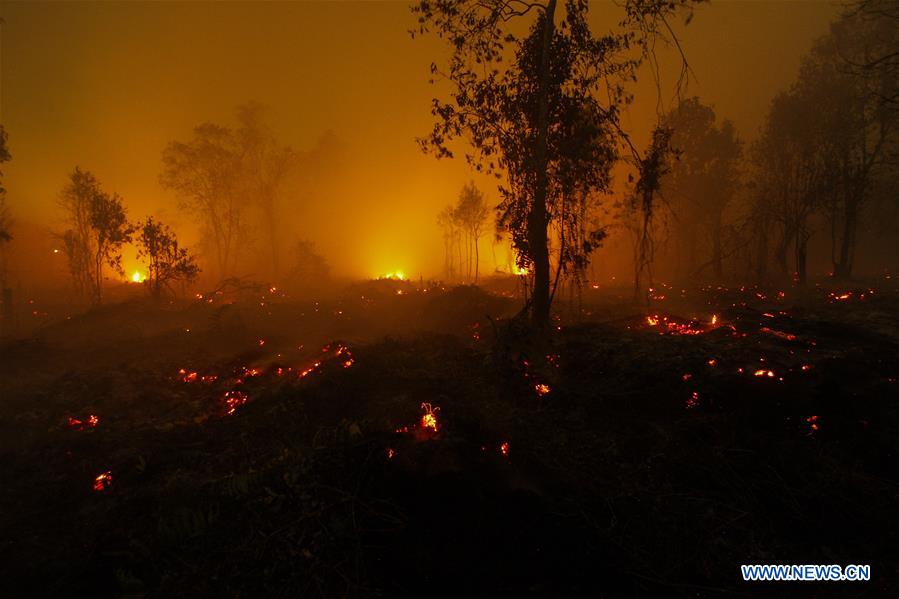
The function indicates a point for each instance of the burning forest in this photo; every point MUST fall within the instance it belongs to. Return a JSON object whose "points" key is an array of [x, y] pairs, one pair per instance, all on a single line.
{"points": [[492, 297]]}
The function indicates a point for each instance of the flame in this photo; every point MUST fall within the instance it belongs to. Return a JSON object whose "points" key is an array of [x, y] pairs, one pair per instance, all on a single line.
{"points": [[714, 319], [541, 389], [429, 418], [504, 448], [233, 400], [763, 372], [137, 277], [396, 275], [103, 481]]}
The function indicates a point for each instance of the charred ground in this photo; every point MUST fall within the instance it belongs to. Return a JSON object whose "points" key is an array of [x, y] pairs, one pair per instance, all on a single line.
{"points": [[640, 455]]}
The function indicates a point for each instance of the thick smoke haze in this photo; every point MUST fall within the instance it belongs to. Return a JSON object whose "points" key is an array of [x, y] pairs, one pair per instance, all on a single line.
{"points": [[106, 86]]}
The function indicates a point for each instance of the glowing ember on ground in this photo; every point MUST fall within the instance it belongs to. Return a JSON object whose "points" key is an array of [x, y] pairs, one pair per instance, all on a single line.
{"points": [[187, 377], [79, 424], [429, 418], [233, 400], [504, 448], [103, 481], [693, 401], [669, 325], [541, 389], [781, 334], [767, 373], [391, 453]]}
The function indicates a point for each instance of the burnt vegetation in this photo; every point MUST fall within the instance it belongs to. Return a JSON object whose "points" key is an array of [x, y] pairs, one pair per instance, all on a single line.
{"points": [[230, 410]]}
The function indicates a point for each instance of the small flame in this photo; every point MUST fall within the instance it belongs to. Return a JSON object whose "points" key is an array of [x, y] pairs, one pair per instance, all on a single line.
{"points": [[137, 277], [103, 481], [429, 418]]}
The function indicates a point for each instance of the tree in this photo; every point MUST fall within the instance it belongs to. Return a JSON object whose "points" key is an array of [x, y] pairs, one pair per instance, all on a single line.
{"points": [[703, 180], [5, 218], [206, 174], [651, 168], [448, 222], [167, 262], [530, 106], [791, 174], [110, 229], [309, 267], [265, 166], [851, 76], [75, 201], [97, 229], [470, 214]]}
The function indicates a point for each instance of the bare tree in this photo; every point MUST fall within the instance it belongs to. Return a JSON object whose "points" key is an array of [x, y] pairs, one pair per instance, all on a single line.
{"points": [[471, 214]]}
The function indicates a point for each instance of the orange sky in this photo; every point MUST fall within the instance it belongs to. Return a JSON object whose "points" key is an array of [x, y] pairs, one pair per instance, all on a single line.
{"points": [[105, 85]]}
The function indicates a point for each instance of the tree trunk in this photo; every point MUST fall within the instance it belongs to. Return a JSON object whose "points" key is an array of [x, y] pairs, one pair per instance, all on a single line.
{"points": [[537, 218], [843, 268], [477, 259]]}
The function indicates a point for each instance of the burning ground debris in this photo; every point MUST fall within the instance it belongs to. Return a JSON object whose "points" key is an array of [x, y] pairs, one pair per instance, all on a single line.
{"points": [[645, 437]]}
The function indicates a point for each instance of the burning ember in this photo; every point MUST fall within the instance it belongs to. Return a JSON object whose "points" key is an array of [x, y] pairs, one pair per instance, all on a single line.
{"points": [[233, 400], [103, 481], [429, 418], [78, 424], [504, 448], [781, 334], [767, 373], [391, 453], [693, 401], [669, 325], [541, 389]]}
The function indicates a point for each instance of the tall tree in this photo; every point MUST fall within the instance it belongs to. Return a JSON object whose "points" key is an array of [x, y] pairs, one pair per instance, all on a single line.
{"points": [[5, 218], [266, 166], [540, 110], [702, 181], [205, 172], [851, 76], [78, 242], [471, 214], [110, 231], [167, 262], [791, 174]]}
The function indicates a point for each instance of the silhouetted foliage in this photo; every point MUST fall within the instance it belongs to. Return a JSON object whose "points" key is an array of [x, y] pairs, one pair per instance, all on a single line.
{"points": [[5, 217], [539, 111], [309, 268], [167, 262], [98, 228], [702, 182]]}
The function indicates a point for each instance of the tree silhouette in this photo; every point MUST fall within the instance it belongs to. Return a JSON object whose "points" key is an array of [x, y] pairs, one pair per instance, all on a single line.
{"points": [[5, 218], [702, 181], [470, 214], [110, 229], [539, 111], [206, 174], [265, 166], [166, 260]]}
